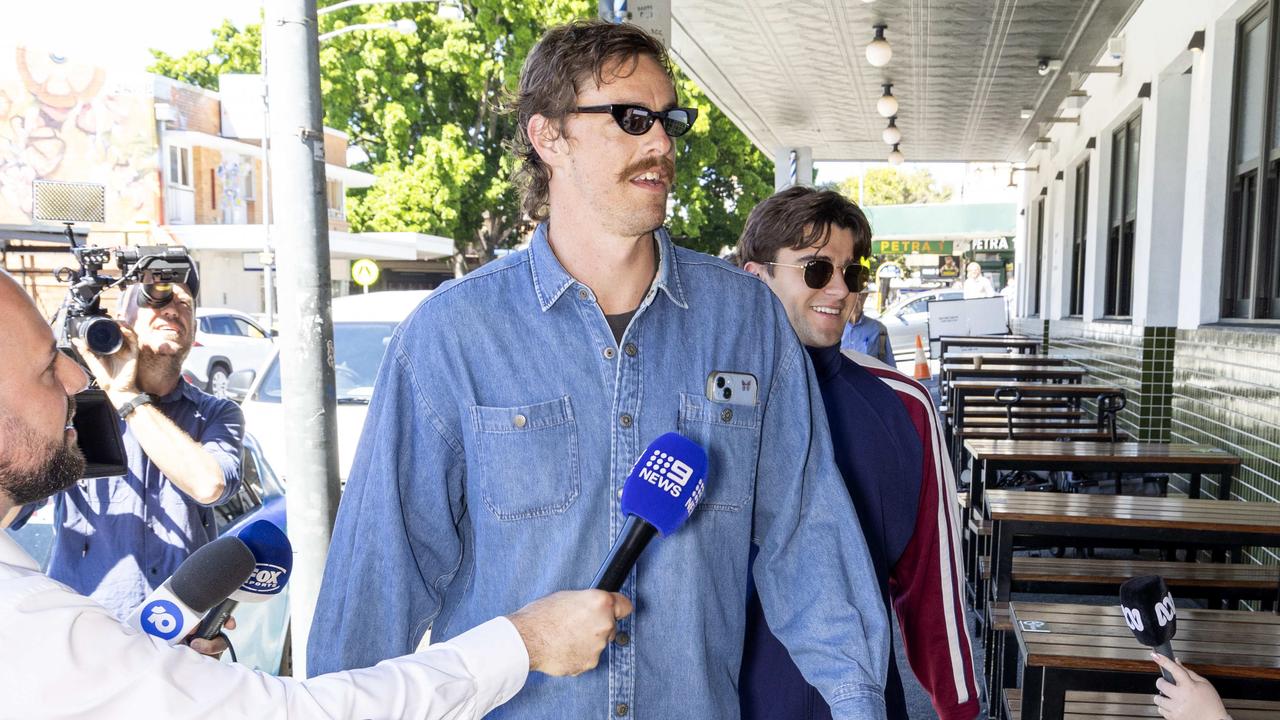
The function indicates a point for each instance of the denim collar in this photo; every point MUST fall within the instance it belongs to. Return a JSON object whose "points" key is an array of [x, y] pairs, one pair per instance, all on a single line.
{"points": [[550, 279]]}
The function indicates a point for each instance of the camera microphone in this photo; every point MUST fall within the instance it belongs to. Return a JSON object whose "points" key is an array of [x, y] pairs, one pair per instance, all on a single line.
{"points": [[664, 487], [1149, 612]]}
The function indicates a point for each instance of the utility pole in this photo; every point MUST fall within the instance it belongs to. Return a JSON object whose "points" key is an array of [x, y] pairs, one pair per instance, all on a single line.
{"points": [[306, 352]]}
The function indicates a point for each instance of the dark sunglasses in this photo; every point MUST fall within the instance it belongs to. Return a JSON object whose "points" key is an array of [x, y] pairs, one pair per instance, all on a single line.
{"points": [[636, 119], [818, 272]]}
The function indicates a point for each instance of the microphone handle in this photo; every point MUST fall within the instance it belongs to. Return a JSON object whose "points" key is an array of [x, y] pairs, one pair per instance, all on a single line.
{"points": [[1166, 649], [633, 539], [211, 625]]}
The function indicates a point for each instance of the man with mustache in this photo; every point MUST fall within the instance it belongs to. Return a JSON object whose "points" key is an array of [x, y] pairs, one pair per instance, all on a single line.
{"points": [[512, 403], [119, 538], [65, 656]]}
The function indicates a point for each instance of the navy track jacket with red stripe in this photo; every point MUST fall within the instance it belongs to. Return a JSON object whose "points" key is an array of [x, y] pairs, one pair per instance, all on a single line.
{"points": [[889, 448]]}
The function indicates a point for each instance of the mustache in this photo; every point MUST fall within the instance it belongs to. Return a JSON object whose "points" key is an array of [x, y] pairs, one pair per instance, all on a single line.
{"points": [[663, 165]]}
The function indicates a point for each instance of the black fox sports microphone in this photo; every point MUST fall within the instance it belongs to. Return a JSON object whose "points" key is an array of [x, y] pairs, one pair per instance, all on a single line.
{"points": [[1149, 612], [203, 580], [664, 487], [273, 561]]}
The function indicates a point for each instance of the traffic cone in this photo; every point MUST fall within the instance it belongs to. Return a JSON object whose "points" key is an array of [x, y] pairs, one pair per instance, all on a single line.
{"points": [[922, 363]]}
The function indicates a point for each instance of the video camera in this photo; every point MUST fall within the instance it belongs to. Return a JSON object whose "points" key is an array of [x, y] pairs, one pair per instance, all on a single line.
{"points": [[156, 267]]}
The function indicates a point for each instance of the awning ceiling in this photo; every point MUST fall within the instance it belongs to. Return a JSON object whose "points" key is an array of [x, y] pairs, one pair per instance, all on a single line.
{"points": [[793, 73]]}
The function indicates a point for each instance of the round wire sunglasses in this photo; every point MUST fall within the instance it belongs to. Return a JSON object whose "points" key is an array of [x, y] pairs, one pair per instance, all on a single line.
{"points": [[818, 272], [637, 119]]}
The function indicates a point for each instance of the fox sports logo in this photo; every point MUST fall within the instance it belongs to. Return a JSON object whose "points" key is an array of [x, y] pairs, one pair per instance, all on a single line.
{"points": [[267, 579], [162, 619]]}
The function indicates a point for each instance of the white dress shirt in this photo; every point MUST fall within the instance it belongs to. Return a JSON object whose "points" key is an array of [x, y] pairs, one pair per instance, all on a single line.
{"points": [[64, 656]]}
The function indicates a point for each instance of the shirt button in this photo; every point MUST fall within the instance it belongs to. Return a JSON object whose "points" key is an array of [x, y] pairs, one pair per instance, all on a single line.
{"points": [[625, 420], [583, 294], [726, 415], [608, 353], [621, 710], [153, 571], [619, 493], [632, 349], [622, 639], [519, 421]]}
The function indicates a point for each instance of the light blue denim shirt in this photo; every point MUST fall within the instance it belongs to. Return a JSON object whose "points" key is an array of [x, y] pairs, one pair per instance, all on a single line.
{"points": [[502, 428]]}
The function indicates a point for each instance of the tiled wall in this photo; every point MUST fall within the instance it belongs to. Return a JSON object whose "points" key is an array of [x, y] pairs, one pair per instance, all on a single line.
{"points": [[1216, 386], [1226, 393]]}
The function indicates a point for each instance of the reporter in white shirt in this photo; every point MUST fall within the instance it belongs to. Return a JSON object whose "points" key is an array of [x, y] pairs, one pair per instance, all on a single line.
{"points": [[64, 656]]}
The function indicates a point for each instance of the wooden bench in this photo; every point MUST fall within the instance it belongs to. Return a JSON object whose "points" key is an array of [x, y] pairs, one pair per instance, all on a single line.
{"points": [[1085, 433], [1034, 413], [1213, 582], [1134, 706]]}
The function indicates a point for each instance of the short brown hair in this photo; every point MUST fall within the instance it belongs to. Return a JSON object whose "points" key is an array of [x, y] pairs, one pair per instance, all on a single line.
{"points": [[799, 217], [549, 83]]}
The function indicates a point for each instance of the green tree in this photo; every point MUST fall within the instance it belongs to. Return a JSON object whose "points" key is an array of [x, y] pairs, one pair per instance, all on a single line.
{"points": [[892, 186], [426, 109]]}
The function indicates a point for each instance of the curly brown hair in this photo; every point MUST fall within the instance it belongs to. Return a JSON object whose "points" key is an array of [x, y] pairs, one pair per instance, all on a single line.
{"points": [[553, 74]]}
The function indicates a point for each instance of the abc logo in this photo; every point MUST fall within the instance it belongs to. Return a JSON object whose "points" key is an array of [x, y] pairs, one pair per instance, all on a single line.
{"points": [[1165, 611], [1132, 618], [162, 619]]}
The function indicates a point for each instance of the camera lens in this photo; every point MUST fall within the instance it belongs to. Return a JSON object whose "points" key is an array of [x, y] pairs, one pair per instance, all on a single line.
{"points": [[102, 335], [727, 393], [719, 382]]}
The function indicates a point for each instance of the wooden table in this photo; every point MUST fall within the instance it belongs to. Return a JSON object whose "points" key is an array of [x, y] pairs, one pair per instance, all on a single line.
{"points": [[1051, 373], [991, 457], [1007, 359], [962, 390], [1020, 343], [1086, 647], [1223, 525]]}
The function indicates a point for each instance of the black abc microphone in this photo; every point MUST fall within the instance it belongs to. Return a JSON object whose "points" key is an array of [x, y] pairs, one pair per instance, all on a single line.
{"points": [[1148, 610], [203, 580], [664, 487]]}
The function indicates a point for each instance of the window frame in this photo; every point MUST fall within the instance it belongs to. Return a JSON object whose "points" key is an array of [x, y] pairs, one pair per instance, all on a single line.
{"points": [[183, 169], [1079, 237], [1122, 220], [1250, 290]]}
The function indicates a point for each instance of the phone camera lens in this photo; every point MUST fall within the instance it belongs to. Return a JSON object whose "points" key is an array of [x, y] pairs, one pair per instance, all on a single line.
{"points": [[719, 382], [727, 393]]}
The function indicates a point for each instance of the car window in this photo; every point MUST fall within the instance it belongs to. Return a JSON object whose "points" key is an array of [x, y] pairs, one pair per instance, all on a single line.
{"points": [[917, 306], [248, 329], [222, 325], [203, 324], [358, 350]]}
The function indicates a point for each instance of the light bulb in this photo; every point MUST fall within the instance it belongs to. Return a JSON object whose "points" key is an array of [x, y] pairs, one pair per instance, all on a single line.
{"points": [[891, 135], [887, 105], [879, 53], [895, 156]]}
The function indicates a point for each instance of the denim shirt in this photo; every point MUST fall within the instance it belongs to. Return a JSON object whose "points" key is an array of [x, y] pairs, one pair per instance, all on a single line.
{"points": [[119, 538], [502, 428]]}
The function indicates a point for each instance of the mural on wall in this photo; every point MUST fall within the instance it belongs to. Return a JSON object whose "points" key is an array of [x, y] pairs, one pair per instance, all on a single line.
{"points": [[61, 120]]}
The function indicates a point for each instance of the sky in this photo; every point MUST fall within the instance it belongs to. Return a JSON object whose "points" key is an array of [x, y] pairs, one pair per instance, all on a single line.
{"points": [[116, 34]]}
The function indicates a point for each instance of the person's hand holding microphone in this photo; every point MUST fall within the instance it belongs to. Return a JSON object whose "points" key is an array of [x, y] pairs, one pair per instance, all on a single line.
{"points": [[565, 632]]}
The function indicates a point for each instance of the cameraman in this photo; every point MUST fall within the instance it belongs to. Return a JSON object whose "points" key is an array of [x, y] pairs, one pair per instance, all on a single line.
{"points": [[119, 538], [65, 657]]}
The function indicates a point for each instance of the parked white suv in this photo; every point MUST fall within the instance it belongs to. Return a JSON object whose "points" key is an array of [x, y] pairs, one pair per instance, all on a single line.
{"points": [[362, 329], [226, 341]]}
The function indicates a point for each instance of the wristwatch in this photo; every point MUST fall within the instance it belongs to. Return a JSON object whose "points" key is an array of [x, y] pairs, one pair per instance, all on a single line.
{"points": [[134, 403]]}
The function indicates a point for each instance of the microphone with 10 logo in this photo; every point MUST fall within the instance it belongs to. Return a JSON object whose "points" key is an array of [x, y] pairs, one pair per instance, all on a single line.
{"points": [[203, 580]]}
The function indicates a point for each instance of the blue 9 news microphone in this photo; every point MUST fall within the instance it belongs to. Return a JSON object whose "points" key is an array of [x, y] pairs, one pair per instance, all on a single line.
{"points": [[203, 580], [1148, 610], [664, 487], [273, 561]]}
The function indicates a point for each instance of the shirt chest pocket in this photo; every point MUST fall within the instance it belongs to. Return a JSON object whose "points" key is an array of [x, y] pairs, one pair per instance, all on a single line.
{"points": [[525, 459], [731, 436]]}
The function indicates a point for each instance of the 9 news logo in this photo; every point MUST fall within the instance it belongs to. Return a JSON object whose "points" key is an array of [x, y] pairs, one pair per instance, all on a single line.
{"points": [[162, 619]]}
